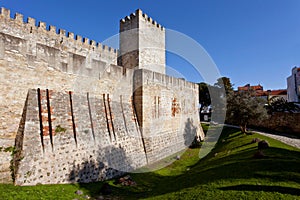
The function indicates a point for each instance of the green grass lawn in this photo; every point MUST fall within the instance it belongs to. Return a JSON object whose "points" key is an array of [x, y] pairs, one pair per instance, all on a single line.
{"points": [[229, 171]]}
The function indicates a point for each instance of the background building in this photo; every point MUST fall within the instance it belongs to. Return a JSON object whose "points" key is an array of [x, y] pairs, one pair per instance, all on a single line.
{"points": [[259, 91], [293, 85], [248, 87]]}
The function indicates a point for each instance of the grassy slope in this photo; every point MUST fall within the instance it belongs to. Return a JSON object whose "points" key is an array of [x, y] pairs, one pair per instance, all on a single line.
{"points": [[228, 172]]}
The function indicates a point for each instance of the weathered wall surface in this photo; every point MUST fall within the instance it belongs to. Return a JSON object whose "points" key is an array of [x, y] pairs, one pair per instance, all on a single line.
{"points": [[34, 57], [142, 43], [285, 122], [82, 135], [152, 53], [19, 78], [76, 138], [167, 110]]}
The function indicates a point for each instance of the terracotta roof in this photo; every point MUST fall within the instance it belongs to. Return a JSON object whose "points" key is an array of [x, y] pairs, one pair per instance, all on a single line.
{"points": [[272, 93], [257, 87], [260, 92], [248, 87], [278, 92]]}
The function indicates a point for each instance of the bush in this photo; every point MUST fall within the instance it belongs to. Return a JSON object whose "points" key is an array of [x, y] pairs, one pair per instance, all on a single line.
{"points": [[196, 143], [263, 145]]}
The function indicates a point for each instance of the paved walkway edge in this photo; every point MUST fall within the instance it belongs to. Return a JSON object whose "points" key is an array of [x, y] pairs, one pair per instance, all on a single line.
{"points": [[295, 142]]}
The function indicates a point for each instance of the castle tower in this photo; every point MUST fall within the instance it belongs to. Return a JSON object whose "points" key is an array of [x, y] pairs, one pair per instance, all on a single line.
{"points": [[142, 43]]}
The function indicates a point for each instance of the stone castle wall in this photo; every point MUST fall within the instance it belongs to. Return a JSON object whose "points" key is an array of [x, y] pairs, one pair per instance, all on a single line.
{"points": [[76, 138], [74, 114], [148, 52], [283, 122], [36, 57], [168, 113]]}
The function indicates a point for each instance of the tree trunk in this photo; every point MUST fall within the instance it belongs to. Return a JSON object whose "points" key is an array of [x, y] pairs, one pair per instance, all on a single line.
{"points": [[243, 128]]}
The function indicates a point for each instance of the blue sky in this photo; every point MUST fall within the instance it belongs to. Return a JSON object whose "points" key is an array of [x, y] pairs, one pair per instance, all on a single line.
{"points": [[251, 41]]}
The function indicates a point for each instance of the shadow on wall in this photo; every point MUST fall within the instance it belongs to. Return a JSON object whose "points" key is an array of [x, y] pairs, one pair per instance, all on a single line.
{"points": [[110, 162], [190, 132]]}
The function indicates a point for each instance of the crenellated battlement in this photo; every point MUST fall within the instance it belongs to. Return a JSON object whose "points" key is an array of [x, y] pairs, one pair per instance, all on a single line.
{"points": [[18, 25], [139, 13], [135, 30], [111, 113], [152, 78], [5, 13], [150, 20], [128, 18]]}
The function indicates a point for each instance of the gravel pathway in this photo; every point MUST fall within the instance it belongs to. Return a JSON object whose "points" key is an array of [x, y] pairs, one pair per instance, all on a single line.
{"points": [[287, 139], [290, 140]]}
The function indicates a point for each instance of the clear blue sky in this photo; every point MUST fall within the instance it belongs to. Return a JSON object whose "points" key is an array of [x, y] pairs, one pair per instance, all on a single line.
{"points": [[251, 41]]}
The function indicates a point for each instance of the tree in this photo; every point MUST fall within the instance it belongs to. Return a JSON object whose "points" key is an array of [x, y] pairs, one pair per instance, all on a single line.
{"points": [[279, 104], [224, 82], [218, 93], [215, 96], [242, 107], [204, 97]]}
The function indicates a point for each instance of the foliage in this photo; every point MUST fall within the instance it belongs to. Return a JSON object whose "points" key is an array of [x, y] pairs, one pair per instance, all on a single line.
{"points": [[279, 104], [228, 172], [225, 83], [196, 143], [215, 96], [218, 98], [209, 93], [11, 149], [242, 107], [204, 97], [59, 129]]}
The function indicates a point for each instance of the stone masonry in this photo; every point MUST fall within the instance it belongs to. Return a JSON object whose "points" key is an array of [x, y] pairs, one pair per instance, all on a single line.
{"points": [[78, 111]]}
